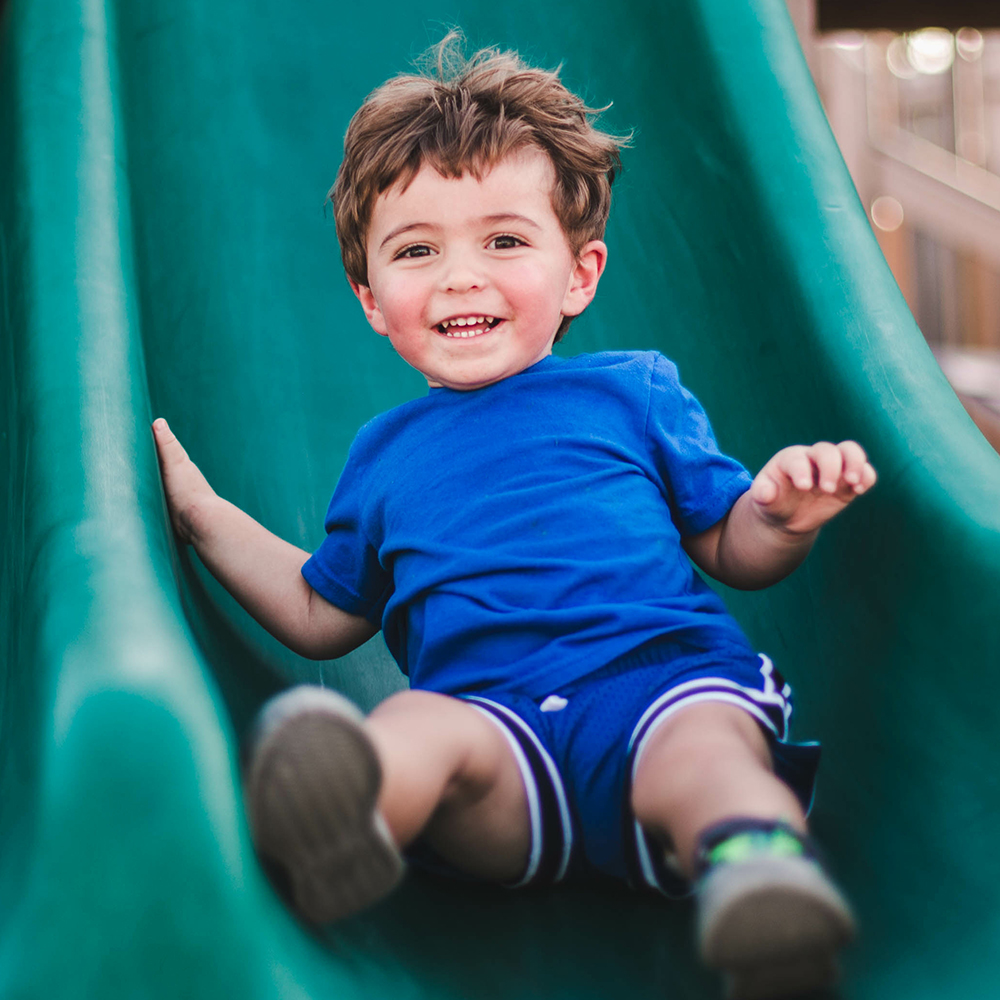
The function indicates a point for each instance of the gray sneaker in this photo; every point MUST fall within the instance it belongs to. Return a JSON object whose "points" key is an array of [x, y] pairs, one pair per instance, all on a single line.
{"points": [[311, 783], [773, 924]]}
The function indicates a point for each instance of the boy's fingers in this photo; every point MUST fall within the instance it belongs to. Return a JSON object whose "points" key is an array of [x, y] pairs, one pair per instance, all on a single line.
{"points": [[169, 447], [858, 471], [854, 461], [829, 464], [764, 489], [162, 433], [868, 478], [796, 464], [842, 471]]}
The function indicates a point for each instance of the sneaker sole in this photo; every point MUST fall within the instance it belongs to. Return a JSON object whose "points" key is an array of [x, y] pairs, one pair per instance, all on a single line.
{"points": [[311, 789], [774, 925]]}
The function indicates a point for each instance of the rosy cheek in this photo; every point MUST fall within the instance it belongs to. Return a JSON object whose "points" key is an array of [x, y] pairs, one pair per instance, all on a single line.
{"points": [[396, 301]]}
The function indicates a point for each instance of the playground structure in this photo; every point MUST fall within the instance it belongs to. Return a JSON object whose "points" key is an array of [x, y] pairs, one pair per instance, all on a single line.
{"points": [[164, 250]]}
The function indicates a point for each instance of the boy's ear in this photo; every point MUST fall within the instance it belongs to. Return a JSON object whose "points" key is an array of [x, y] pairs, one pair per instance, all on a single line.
{"points": [[586, 274], [372, 312]]}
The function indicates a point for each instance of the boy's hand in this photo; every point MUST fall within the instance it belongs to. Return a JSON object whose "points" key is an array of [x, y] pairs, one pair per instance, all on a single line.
{"points": [[263, 572], [183, 482], [802, 487]]}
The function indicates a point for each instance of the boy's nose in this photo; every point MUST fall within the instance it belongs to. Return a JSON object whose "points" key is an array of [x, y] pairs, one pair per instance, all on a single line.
{"points": [[461, 275]]}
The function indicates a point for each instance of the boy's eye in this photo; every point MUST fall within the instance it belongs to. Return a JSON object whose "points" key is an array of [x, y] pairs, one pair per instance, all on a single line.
{"points": [[506, 242], [414, 250]]}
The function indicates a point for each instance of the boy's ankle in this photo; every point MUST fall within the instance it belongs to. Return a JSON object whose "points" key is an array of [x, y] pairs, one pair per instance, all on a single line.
{"points": [[742, 837]]}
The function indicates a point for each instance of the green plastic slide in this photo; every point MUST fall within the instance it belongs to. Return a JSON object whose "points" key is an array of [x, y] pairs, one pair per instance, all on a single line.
{"points": [[164, 249]]}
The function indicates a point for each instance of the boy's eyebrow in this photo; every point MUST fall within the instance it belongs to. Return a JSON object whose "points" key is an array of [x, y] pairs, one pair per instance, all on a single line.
{"points": [[491, 220], [510, 217], [399, 230]]}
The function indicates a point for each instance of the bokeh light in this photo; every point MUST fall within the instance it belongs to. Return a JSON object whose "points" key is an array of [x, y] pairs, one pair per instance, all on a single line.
{"points": [[931, 50], [849, 40], [887, 213], [970, 43], [897, 60]]}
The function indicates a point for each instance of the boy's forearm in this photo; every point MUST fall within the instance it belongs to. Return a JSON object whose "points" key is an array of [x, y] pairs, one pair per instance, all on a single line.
{"points": [[260, 570], [263, 573], [751, 552]]}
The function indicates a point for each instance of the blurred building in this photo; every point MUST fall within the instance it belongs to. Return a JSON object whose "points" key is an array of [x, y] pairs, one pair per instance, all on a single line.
{"points": [[915, 106]]}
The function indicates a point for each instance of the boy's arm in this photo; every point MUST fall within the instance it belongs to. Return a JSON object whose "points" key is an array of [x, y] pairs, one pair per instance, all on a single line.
{"points": [[771, 528], [259, 569]]}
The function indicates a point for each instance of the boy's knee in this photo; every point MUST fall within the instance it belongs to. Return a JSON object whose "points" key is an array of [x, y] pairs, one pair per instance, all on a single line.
{"points": [[406, 702], [424, 727], [440, 716]]}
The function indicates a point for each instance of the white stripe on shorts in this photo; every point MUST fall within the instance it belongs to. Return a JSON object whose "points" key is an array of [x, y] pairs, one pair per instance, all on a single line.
{"points": [[554, 776], [531, 789], [747, 697]]}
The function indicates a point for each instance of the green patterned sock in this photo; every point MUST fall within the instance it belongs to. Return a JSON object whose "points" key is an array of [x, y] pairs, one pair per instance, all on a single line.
{"points": [[736, 840]]}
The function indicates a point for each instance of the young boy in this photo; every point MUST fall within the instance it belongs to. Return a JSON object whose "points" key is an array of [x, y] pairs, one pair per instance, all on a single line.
{"points": [[579, 698]]}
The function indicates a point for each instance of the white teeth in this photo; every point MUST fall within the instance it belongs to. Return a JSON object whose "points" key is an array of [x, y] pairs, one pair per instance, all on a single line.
{"points": [[457, 327], [467, 321]]}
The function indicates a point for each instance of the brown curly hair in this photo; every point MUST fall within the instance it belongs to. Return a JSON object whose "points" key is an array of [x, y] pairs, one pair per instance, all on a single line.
{"points": [[466, 115]]}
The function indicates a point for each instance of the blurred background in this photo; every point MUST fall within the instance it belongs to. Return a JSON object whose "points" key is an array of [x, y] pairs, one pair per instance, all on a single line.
{"points": [[912, 92]]}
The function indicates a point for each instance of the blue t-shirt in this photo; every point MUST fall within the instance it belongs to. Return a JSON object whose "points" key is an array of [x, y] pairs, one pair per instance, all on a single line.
{"points": [[526, 534]]}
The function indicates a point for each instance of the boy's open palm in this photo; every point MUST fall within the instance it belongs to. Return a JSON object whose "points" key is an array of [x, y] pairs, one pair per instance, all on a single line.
{"points": [[804, 486], [183, 482]]}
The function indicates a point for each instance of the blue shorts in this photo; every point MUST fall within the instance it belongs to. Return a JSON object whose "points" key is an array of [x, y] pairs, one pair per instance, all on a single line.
{"points": [[578, 749]]}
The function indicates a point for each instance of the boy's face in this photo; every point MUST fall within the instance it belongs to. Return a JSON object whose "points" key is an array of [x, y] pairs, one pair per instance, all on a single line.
{"points": [[469, 278]]}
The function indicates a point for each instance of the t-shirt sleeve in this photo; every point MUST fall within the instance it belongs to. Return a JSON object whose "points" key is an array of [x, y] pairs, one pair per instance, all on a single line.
{"points": [[345, 569], [701, 484]]}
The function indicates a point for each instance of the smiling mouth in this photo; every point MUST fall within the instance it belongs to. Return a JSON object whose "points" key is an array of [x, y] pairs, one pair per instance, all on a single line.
{"points": [[463, 327]]}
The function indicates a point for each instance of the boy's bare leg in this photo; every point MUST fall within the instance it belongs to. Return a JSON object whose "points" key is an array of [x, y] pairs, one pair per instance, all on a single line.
{"points": [[450, 774], [767, 914], [707, 763]]}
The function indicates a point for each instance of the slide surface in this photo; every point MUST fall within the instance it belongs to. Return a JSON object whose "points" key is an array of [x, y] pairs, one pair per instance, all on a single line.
{"points": [[164, 249]]}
